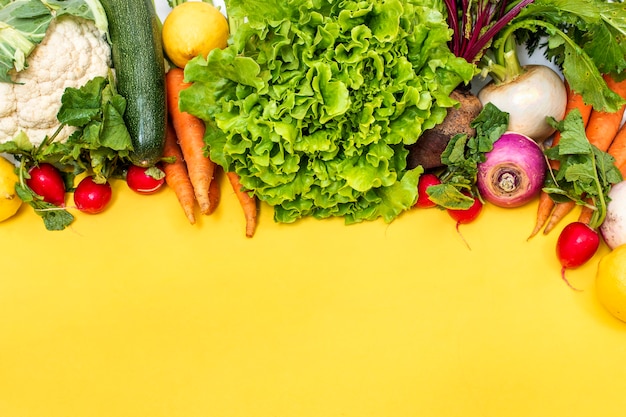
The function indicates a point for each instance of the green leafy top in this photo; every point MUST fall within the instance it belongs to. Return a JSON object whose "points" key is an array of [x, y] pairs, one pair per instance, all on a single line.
{"points": [[313, 101], [583, 37]]}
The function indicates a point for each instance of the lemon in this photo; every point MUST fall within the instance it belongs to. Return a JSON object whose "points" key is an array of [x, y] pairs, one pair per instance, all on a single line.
{"points": [[611, 282], [192, 29], [9, 201]]}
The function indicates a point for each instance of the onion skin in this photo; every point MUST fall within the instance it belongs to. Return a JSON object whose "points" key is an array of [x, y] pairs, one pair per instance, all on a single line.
{"points": [[537, 93], [613, 228], [513, 172]]}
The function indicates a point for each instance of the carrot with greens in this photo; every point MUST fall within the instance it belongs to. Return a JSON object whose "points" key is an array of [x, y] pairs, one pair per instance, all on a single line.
{"points": [[190, 132], [248, 203], [601, 128], [546, 205], [176, 176]]}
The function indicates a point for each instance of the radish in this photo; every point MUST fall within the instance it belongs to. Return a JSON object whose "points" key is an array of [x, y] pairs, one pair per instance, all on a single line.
{"points": [[467, 215], [576, 245], [46, 181], [464, 216], [92, 197], [145, 180], [613, 228], [425, 181], [513, 172], [536, 93]]}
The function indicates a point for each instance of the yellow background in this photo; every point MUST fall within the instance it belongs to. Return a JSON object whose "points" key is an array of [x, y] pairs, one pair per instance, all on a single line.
{"points": [[134, 312]]}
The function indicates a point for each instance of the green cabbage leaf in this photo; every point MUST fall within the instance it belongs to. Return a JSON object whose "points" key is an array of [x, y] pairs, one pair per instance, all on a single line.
{"points": [[313, 102]]}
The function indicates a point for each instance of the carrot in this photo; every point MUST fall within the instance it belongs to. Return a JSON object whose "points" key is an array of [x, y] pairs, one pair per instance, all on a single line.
{"points": [[558, 213], [215, 193], [574, 101], [544, 209], [248, 203], [190, 132], [618, 150], [176, 175], [585, 215], [546, 204], [603, 126]]}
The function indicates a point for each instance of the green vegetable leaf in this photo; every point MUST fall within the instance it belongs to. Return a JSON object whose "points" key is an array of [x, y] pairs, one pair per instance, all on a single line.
{"points": [[23, 25], [54, 218]]}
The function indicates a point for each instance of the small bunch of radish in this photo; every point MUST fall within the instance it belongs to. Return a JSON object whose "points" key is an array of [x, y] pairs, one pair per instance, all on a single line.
{"points": [[91, 196]]}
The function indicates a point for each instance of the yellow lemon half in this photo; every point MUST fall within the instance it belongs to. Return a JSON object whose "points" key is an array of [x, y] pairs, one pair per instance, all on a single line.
{"points": [[192, 29], [9, 201], [611, 282]]}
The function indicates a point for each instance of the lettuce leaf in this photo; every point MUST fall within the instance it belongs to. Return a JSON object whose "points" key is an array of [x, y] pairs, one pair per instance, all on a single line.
{"points": [[313, 102]]}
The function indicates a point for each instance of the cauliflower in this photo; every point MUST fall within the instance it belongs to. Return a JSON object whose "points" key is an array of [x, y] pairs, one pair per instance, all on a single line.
{"points": [[73, 52]]}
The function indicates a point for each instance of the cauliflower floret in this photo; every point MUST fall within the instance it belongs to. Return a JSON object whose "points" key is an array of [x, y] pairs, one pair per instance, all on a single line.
{"points": [[73, 52]]}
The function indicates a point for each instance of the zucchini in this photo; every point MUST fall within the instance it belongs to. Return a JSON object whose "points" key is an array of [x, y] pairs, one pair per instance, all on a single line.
{"points": [[137, 53]]}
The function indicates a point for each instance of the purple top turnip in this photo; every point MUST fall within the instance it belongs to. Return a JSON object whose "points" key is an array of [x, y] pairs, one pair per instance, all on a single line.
{"points": [[513, 172]]}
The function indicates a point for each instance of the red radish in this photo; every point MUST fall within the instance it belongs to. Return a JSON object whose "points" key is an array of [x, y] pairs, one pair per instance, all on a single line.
{"points": [[425, 181], [466, 216], [91, 197], [576, 244], [145, 180], [46, 181], [513, 171]]}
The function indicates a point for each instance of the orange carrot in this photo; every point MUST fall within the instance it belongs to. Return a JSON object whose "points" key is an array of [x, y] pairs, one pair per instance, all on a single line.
{"points": [[176, 175], [544, 209], [215, 193], [190, 132], [560, 211], [574, 101], [546, 204], [618, 150], [248, 203], [585, 215], [603, 126]]}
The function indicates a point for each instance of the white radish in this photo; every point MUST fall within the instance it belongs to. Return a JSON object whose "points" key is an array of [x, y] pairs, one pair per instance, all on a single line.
{"points": [[613, 228], [537, 93]]}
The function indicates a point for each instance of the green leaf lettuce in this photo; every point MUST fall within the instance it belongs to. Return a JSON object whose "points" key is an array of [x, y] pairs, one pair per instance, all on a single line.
{"points": [[313, 102]]}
